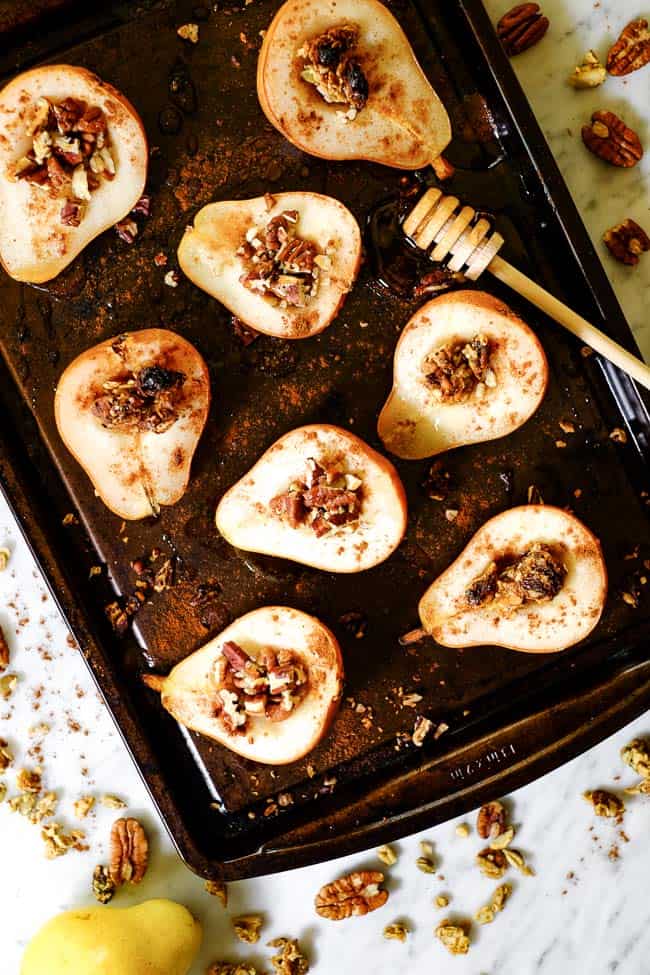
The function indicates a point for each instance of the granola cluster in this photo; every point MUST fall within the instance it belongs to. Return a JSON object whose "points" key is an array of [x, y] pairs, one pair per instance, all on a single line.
{"points": [[70, 154], [330, 64], [458, 369], [280, 264], [271, 686], [326, 499], [536, 576], [146, 400]]}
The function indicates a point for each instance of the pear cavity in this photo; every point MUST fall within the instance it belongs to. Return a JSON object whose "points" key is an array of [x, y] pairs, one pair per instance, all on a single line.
{"points": [[331, 65], [324, 499], [531, 579], [458, 368], [70, 154]]}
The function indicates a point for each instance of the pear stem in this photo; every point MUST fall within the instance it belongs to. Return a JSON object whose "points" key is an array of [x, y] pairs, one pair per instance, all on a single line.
{"points": [[154, 682], [413, 636]]}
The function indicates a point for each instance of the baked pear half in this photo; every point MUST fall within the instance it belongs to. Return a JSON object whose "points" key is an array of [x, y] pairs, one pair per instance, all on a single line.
{"points": [[131, 411], [282, 263], [339, 80], [532, 579], [267, 687], [320, 496], [73, 162], [466, 369]]}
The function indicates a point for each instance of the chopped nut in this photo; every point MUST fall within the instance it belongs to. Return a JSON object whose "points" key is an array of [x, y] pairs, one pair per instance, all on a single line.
{"points": [[58, 842], [103, 886], [516, 859], [626, 242], [39, 730], [618, 435], [589, 74], [189, 32], [640, 789], [247, 927], [289, 960], [129, 856], [356, 894], [397, 931], [442, 901], [425, 864], [4, 652], [632, 50], [492, 863], [171, 279], [83, 806], [3, 791], [503, 840], [8, 685], [605, 803], [218, 889], [6, 756], [453, 936], [421, 729], [487, 913], [491, 820], [387, 855], [231, 968], [24, 804], [636, 754], [112, 802], [28, 780], [462, 830], [5, 555], [44, 808]]}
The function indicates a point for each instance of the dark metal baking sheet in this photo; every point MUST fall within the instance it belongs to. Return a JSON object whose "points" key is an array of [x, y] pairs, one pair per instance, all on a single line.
{"points": [[510, 715]]}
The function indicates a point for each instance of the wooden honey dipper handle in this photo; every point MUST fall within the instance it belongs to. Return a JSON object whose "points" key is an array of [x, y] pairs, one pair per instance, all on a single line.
{"points": [[469, 245]]}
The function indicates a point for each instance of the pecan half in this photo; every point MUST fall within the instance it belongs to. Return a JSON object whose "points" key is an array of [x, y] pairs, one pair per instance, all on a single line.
{"points": [[129, 852], [627, 241], [491, 820], [357, 894], [632, 50], [609, 138], [522, 27]]}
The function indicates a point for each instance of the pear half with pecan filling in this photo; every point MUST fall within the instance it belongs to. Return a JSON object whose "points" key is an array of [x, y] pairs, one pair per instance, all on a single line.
{"points": [[282, 263], [467, 369], [268, 687], [339, 80], [131, 410], [532, 579], [320, 496], [73, 162]]}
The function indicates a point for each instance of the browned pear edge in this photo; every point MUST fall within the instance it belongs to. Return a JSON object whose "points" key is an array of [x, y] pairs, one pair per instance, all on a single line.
{"points": [[374, 456], [480, 299], [276, 123], [94, 81], [330, 318], [597, 554], [157, 684], [147, 332]]}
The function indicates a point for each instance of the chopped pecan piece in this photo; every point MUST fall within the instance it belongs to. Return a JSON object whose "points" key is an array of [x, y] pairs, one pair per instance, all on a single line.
{"points": [[453, 936], [289, 959], [522, 27], [247, 927], [356, 894], [491, 820], [72, 213], [331, 66], [4, 652], [637, 755], [324, 500], [146, 400], [589, 74], [129, 855], [271, 686], [627, 241], [492, 863], [281, 264], [606, 804], [632, 50], [457, 368], [103, 886], [609, 138]]}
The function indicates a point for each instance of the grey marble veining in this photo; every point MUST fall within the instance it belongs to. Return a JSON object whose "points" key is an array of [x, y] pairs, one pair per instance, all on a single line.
{"points": [[584, 913]]}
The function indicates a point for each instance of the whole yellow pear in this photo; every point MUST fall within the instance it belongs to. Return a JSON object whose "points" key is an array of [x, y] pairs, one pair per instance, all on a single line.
{"points": [[157, 937]]}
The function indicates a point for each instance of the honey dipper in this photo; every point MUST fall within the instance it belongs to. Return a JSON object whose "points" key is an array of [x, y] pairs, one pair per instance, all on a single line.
{"points": [[449, 232]]}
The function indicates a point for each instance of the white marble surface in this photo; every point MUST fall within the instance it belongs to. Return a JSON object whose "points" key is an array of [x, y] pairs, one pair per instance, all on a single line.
{"points": [[593, 921]]}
